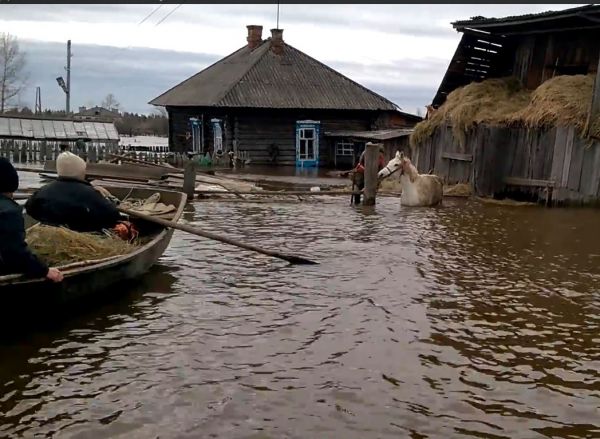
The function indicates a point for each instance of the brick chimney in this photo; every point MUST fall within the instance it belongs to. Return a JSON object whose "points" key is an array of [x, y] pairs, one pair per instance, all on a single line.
{"points": [[277, 41], [254, 36]]}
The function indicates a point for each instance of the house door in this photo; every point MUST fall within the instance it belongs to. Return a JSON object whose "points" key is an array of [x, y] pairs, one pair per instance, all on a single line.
{"points": [[307, 143]]}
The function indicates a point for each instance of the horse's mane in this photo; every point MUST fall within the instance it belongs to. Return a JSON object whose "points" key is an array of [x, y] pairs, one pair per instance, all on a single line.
{"points": [[410, 170]]}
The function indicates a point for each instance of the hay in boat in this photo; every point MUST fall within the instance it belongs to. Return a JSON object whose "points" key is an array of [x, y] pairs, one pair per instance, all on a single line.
{"points": [[58, 246]]}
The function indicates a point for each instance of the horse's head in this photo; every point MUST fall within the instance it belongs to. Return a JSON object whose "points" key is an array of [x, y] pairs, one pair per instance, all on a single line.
{"points": [[397, 163]]}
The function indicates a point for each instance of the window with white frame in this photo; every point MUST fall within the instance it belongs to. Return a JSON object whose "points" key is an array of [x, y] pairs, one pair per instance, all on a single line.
{"points": [[344, 147]]}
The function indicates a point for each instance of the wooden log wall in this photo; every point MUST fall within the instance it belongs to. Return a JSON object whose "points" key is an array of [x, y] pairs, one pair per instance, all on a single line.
{"points": [[251, 133], [554, 164], [257, 133]]}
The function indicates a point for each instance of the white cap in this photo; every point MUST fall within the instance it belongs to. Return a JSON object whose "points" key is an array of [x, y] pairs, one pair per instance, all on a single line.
{"points": [[70, 165]]}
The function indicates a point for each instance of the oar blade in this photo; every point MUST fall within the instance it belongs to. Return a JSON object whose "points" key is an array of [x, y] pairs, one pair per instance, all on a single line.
{"points": [[298, 260]]}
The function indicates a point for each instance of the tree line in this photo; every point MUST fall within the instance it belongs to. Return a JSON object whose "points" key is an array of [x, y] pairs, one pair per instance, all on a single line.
{"points": [[13, 79]]}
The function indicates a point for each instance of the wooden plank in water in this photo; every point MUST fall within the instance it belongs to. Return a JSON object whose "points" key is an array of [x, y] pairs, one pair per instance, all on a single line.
{"points": [[558, 155], [588, 170], [125, 171], [568, 154], [574, 178], [457, 156], [529, 182]]}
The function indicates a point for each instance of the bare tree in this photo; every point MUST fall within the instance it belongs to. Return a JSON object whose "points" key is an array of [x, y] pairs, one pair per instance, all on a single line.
{"points": [[110, 102], [160, 111], [12, 63]]}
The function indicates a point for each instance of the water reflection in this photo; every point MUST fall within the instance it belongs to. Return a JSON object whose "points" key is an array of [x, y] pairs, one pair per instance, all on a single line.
{"points": [[463, 320]]}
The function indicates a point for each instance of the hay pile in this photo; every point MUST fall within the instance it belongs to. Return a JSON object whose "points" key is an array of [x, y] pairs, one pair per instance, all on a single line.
{"points": [[58, 246], [562, 100], [391, 184], [491, 101], [458, 190]]}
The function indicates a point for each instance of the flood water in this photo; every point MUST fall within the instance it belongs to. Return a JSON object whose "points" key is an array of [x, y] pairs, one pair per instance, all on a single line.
{"points": [[467, 320]]}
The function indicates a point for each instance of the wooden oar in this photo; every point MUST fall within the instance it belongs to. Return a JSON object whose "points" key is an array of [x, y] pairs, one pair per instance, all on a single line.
{"points": [[195, 231]]}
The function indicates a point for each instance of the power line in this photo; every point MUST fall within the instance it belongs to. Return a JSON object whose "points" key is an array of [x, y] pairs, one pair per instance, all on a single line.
{"points": [[151, 13], [166, 16]]}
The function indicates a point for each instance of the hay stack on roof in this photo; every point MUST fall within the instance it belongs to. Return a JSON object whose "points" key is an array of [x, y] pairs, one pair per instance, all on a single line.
{"points": [[562, 100]]}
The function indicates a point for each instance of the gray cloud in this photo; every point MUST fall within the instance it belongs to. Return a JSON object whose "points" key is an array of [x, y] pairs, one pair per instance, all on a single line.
{"points": [[414, 19], [137, 75], [133, 75]]}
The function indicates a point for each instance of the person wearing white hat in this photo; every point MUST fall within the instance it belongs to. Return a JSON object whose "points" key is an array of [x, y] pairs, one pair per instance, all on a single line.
{"points": [[71, 201]]}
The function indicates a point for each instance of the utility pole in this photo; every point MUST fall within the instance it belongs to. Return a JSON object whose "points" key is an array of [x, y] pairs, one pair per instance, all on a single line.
{"points": [[38, 100], [68, 91]]}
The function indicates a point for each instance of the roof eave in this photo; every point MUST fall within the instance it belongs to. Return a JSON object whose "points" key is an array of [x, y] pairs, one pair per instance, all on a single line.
{"points": [[489, 23]]}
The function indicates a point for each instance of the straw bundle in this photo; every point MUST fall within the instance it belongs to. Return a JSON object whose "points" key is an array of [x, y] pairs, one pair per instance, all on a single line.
{"points": [[391, 184], [58, 246], [490, 101], [562, 100], [458, 190]]}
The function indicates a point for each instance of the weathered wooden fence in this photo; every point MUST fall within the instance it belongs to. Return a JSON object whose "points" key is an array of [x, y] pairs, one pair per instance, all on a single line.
{"points": [[38, 152], [553, 164]]}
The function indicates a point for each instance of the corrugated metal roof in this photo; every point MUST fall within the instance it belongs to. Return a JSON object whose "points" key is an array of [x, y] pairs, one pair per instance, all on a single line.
{"points": [[372, 135], [260, 78], [47, 129], [572, 17]]}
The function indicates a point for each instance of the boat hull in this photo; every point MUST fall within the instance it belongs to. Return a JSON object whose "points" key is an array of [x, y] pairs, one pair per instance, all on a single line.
{"points": [[40, 297]]}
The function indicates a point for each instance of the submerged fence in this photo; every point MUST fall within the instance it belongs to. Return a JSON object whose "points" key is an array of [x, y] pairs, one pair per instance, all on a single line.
{"points": [[38, 152]]}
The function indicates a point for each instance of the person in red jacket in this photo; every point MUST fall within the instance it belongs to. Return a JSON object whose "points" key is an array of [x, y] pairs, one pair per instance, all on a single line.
{"points": [[358, 178]]}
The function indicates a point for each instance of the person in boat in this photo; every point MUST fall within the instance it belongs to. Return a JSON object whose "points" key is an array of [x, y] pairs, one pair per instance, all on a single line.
{"points": [[15, 255], [71, 201], [358, 176]]}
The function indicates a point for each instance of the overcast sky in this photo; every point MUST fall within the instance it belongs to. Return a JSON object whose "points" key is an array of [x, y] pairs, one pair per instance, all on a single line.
{"points": [[399, 51]]}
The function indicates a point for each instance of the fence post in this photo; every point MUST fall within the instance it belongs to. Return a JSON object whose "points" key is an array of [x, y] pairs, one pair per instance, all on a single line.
{"points": [[189, 178], [371, 170]]}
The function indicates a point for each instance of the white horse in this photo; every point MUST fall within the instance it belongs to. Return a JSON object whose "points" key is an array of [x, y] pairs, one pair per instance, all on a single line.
{"points": [[417, 189]]}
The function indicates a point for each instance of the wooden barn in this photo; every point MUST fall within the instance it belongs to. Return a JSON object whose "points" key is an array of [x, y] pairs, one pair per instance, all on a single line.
{"points": [[275, 104], [557, 163], [533, 48]]}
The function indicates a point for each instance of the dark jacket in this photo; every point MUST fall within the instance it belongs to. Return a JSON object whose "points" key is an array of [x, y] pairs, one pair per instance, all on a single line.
{"points": [[74, 204], [15, 256]]}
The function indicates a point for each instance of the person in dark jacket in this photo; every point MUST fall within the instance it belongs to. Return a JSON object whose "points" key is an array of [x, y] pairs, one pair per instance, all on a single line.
{"points": [[71, 201], [15, 256]]}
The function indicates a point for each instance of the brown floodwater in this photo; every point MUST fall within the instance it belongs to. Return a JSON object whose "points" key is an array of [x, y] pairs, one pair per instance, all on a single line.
{"points": [[467, 320]]}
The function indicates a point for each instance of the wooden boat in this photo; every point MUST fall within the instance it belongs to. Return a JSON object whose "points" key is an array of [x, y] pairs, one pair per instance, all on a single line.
{"points": [[85, 280]]}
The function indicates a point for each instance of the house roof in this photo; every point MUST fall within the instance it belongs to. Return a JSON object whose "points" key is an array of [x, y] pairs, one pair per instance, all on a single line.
{"points": [[372, 135], [50, 129], [260, 78], [95, 111], [584, 17]]}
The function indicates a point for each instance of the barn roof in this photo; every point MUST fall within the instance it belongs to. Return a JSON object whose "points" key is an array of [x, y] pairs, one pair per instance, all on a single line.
{"points": [[487, 44], [261, 78], [388, 134], [573, 18], [53, 129]]}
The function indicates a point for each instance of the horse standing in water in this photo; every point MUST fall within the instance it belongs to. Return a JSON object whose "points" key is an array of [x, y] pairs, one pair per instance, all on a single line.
{"points": [[417, 189]]}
